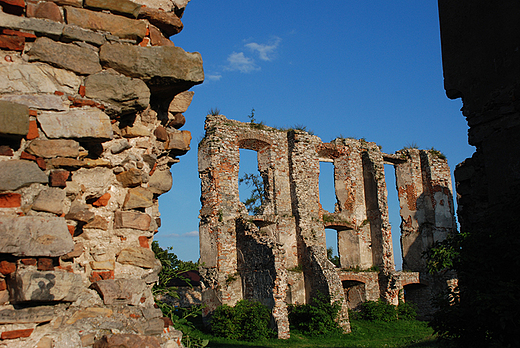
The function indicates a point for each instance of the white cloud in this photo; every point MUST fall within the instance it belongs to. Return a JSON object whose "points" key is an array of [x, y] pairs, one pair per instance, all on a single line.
{"points": [[237, 61], [191, 234], [265, 51], [214, 77]]}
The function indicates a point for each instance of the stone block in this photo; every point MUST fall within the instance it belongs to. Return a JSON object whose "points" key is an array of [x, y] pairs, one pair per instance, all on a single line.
{"points": [[27, 285], [90, 123], [54, 148], [50, 200], [140, 257], [120, 94], [138, 197], [160, 182], [81, 60], [167, 22], [103, 265], [78, 251], [98, 222], [130, 178], [120, 291], [132, 219], [40, 102], [73, 33], [91, 312], [10, 200], [6, 151], [170, 65], [42, 26], [47, 10], [160, 133], [176, 120], [124, 7], [122, 27], [14, 119], [40, 314], [34, 236], [20, 173], [127, 341], [178, 142], [36, 78], [120, 146], [181, 102], [157, 38], [135, 131]]}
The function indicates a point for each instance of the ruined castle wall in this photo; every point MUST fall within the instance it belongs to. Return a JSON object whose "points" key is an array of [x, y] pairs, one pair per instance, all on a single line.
{"points": [[91, 101]]}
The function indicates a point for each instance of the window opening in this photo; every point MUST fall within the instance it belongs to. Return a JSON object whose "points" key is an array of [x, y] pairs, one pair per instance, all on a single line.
{"points": [[394, 215], [326, 186], [331, 237], [250, 182]]}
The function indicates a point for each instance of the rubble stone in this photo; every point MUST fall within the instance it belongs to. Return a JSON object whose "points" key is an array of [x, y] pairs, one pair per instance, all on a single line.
{"points": [[89, 123], [72, 57], [20, 173], [50, 200], [131, 219], [14, 119], [54, 148], [140, 257], [34, 236], [138, 197]]}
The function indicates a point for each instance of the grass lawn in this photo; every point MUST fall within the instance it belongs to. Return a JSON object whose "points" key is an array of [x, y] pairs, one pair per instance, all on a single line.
{"points": [[411, 334]]}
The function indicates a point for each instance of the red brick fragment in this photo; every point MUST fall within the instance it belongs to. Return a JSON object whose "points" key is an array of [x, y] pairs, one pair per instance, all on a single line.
{"points": [[6, 150], [45, 264], [7, 267], [101, 275], [143, 299], [58, 178], [145, 42], [58, 93], [29, 262], [102, 201], [33, 129], [135, 316], [27, 156], [14, 334], [167, 321], [10, 200], [71, 229], [41, 163], [33, 112], [12, 43], [143, 242], [18, 33], [3, 285], [82, 91]]}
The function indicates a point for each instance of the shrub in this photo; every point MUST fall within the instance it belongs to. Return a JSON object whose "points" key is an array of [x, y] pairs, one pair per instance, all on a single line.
{"points": [[406, 311], [378, 311], [317, 318], [247, 321], [382, 311]]}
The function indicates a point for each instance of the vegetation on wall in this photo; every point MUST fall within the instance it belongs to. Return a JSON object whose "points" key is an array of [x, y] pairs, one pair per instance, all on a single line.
{"points": [[316, 318], [254, 202]]}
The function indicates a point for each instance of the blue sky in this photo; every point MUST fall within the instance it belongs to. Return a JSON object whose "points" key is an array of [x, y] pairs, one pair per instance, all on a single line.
{"points": [[363, 69]]}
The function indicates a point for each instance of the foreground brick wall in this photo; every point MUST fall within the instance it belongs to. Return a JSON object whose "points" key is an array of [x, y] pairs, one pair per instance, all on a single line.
{"points": [[279, 256], [91, 100]]}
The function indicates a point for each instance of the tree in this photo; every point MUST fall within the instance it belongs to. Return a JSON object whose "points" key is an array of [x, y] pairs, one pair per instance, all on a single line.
{"points": [[256, 200]]}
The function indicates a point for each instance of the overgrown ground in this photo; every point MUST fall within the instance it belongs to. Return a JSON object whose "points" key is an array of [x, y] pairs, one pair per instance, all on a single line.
{"points": [[409, 334]]}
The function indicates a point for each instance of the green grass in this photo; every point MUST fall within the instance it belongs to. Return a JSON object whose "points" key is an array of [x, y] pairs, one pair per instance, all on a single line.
{"points": [[401, 333]]}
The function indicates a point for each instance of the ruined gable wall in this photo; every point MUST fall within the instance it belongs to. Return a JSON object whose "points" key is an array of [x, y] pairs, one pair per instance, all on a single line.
{"points": [[91, 101]]}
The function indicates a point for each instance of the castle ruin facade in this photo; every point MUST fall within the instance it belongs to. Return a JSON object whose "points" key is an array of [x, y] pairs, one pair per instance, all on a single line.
{"points": [[279, 257]]}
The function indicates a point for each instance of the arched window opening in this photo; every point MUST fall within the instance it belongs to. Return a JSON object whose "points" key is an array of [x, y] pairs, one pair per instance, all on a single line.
{"points": [[326, 186], [251, 188]]}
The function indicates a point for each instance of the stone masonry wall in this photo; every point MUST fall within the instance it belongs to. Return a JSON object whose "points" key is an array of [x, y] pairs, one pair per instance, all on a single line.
{"points": [[279, 256], [91, 100]]}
